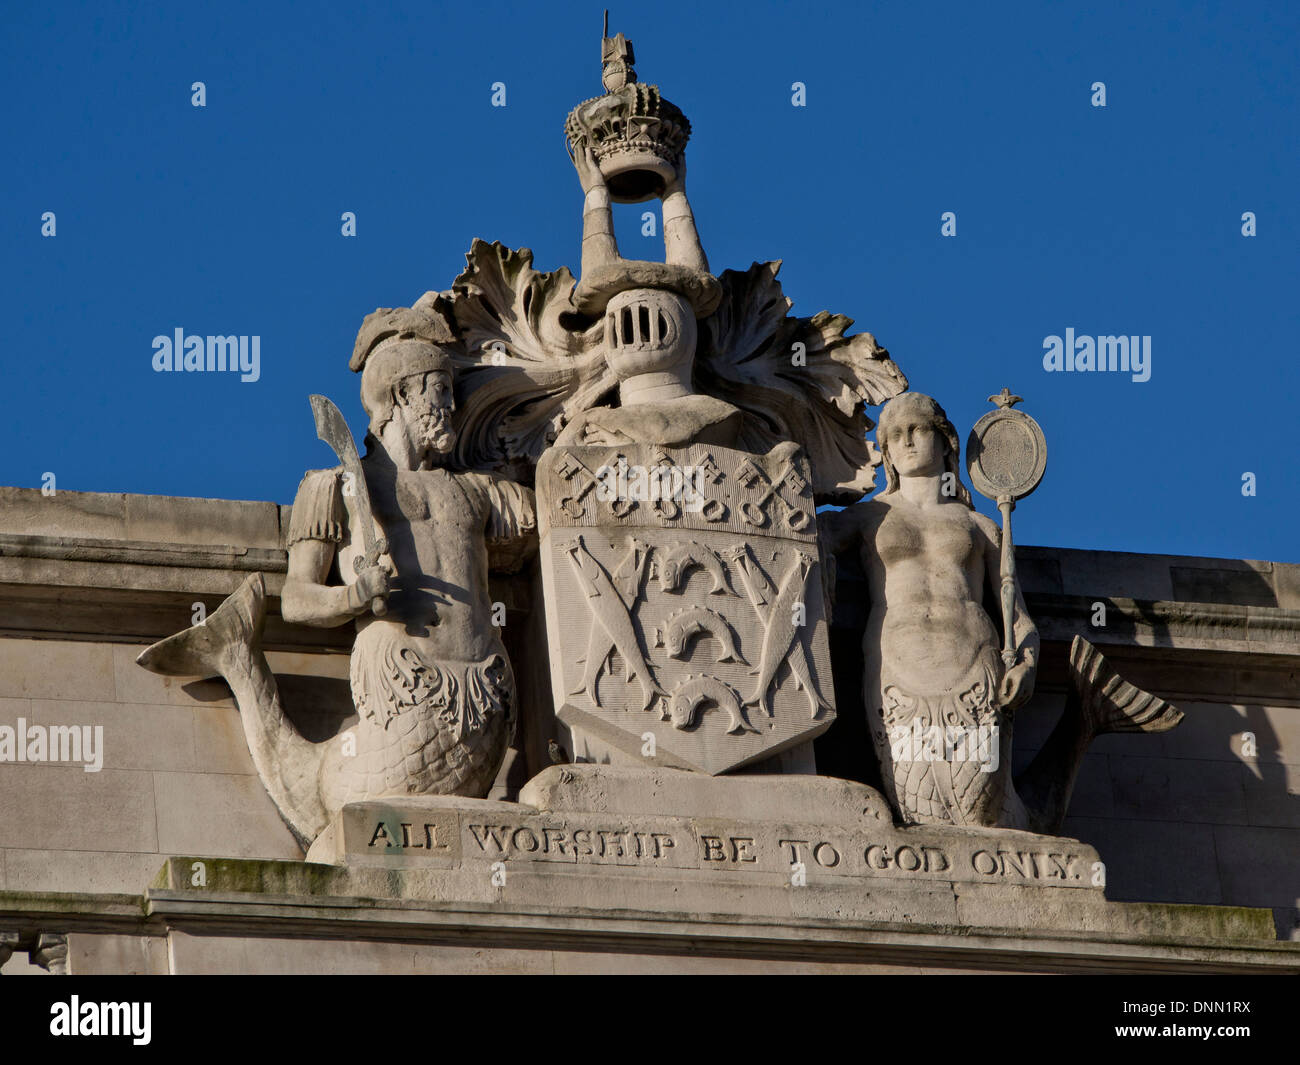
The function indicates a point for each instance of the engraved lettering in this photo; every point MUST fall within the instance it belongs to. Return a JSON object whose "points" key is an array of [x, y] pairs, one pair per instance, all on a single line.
{"points": [[582, 842], [554, 838], [1019, 862], [610, 838], [933, 855], [796, 855], [497, 833], [531, 843]]}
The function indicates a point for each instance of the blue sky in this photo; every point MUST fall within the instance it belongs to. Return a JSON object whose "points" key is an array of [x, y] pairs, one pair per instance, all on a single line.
{"points": [[225, 219]]}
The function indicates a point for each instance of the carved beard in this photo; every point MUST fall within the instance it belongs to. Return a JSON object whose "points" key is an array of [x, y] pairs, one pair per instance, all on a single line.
{"points": [[430, 426]]}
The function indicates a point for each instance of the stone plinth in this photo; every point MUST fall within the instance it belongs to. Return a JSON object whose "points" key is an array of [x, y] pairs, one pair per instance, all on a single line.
{"points": [[604, 869], [762, 847]]}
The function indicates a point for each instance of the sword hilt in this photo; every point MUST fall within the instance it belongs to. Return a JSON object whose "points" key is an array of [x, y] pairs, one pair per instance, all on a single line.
{"points": [[378, 606]]}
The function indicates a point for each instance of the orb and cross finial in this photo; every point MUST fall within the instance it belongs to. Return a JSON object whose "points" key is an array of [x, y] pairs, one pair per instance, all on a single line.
{"points": [[616, 59]]}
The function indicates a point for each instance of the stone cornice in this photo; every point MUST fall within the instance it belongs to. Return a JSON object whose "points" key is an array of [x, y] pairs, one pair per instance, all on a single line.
{"points": [[1155, 623], [505, 926], [144, 553]]}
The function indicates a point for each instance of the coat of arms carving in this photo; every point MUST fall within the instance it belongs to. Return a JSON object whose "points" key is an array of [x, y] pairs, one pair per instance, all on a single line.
{"points": [[694, 612]]}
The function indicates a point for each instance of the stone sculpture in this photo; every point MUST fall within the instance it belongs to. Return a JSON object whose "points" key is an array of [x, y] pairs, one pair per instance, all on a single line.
{"points": [[713, 606], [647, 448], [940, 699], [430, 679], [686, 627], [630, 580], [655, 353]]}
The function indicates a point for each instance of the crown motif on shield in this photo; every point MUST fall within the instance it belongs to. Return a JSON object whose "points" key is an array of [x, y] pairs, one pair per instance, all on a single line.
{"points": [[636, 135]]}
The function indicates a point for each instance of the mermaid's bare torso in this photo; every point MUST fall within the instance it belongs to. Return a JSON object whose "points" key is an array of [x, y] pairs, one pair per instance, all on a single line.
{"points": [[932, 663]]}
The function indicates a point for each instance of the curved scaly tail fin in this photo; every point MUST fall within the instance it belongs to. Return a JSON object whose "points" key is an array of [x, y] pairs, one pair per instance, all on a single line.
{"points": [[229, 645], [1108, 702]]}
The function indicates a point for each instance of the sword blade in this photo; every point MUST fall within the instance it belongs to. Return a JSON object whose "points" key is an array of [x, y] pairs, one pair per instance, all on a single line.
{"points": [[333, 430]]}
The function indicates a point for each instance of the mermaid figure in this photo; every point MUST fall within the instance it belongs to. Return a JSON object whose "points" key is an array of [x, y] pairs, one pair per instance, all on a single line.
{"points": [[940, 702]]}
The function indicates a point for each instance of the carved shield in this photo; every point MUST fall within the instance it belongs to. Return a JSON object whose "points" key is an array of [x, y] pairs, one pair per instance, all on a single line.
{"points": [[684, 598]]}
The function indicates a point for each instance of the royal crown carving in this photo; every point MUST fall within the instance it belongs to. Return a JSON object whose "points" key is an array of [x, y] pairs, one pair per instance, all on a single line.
{"points": [[637, 136]]}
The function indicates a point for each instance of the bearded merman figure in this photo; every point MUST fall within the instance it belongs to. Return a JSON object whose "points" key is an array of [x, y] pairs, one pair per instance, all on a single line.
{"points": [[432, 686]]}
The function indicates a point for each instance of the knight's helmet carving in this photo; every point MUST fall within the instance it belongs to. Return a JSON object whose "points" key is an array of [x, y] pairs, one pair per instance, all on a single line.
{"points": [[650, 321]]}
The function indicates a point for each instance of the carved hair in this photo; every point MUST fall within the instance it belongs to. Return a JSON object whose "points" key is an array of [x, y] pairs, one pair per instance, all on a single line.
{"points": [[928, 408]]}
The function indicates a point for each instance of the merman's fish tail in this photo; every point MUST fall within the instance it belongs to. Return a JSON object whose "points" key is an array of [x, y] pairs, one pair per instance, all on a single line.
{"points": [[229, 645]]}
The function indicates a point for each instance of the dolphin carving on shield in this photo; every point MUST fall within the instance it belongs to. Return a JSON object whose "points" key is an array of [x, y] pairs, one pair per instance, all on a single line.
{"points": [[694, 620], [673, 564]]}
